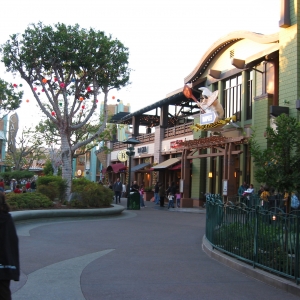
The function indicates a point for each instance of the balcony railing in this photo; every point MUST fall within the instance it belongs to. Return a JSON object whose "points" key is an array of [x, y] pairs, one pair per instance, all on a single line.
{"points": [[145, 138], [179, 130]]}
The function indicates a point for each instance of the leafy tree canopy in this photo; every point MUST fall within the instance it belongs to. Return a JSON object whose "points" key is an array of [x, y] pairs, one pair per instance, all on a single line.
{"points": [[10, 97], [279, 164]]}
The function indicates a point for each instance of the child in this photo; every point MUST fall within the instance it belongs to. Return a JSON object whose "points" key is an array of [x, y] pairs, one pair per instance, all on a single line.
{"points": [[178, 196], [171, 200]]}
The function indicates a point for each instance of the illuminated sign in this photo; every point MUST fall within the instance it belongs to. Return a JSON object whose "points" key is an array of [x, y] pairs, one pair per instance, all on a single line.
{"points": [[176, 144], [142, 150], [208, 118]]}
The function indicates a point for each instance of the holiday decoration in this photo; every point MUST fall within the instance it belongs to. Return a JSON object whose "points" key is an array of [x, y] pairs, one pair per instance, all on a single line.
{"points": [[88, 89], [44, 80], [15, 85], [113, 97], [62, 85], [53, 113], [81, 98], [35, 89], [83, 107], [27, 100], [55, 79], [118, 100]]}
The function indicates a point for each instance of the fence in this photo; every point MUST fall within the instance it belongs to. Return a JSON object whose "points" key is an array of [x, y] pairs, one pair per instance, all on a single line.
{"points": [[265, 238]]}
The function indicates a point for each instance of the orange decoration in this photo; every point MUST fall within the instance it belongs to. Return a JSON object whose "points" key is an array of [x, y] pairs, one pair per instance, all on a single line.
{"points": [[113, 97], [45, 80], [27, 100], [81, 98]]}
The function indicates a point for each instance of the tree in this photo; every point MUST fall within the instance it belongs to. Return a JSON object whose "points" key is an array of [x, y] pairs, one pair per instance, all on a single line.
{"points": [[10, 97], [23, 150], [279, 164], [66, 68]]}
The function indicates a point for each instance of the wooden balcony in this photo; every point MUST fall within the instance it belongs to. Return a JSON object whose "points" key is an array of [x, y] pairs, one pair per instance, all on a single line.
{"points": [[184, 129]]}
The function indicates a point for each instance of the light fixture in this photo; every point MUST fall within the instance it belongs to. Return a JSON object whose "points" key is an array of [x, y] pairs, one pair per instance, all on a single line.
{"points": [[210, 175], [234, 174]]}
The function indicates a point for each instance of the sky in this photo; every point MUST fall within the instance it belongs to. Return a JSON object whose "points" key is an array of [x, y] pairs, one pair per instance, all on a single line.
{"points": [[166, 38]]}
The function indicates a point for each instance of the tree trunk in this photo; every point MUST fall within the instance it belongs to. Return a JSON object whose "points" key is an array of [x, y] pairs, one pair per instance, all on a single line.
{"points": [[66, 163]]}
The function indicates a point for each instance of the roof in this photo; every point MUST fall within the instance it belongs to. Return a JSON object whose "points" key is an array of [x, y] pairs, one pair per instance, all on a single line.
{"points": [[150, 120], [117, 117], [116, 168], [167, 163], [140, 166]]}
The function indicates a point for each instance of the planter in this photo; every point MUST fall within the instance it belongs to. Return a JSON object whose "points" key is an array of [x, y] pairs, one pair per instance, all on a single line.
{"points": [[148, 196]]}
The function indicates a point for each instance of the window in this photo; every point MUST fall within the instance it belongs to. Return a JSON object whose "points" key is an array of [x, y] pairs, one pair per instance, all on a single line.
{"points": [[232, 97], [249, 95]]}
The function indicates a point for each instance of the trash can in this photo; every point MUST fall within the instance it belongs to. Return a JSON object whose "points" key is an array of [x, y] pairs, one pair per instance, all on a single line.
{"points": [[133, 200]]}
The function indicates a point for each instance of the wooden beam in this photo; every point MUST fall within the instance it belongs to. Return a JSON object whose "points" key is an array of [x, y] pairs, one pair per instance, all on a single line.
{"points": [[235, 152]]}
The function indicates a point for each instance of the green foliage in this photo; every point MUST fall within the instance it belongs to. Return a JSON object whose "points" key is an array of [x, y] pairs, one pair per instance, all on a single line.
{"points": [[28, 201], [18, 175], [279, 164], [10, 97], [48, 169], [90, 194], [52, 186]]}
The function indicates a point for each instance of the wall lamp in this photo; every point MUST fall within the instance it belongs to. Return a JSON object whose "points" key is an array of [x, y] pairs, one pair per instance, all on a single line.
{"points": [[210, 175]]}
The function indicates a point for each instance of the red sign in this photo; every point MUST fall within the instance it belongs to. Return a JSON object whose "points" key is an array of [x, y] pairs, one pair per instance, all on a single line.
{"points": [[176, 144]]}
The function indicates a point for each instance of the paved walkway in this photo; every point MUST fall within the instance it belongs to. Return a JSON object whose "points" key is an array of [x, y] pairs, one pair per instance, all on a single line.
{"points": [[152, 253]]}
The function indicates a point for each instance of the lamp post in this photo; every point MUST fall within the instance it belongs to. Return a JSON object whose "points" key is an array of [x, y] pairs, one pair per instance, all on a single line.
{"points": [[130, 152]]}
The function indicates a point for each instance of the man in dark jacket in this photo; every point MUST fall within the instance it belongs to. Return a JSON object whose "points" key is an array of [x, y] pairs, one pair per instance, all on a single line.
{"points": [[9, 251], [118, 187]]}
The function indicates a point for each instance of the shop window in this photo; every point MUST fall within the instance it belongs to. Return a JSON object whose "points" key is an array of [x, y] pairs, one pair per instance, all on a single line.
{"points": [[232, 97], [249, 95]]}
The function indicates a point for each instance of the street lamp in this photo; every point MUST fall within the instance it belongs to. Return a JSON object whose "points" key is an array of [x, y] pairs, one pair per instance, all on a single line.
{"points": [[130, 152]]}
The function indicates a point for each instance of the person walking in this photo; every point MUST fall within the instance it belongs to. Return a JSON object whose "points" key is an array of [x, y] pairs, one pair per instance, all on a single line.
{"points": [[156, 193], [161, 193], [118, 187], [142, 203], [33, 185], [9, 251]]}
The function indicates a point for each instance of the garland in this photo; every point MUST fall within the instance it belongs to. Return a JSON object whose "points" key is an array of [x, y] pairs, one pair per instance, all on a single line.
{"points": [[214, 125]]}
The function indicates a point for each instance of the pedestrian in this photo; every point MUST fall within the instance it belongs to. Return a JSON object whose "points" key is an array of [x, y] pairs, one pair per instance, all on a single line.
{"points": [[2, 187], [24, 189], [171, 200], [156, 191], [294, 201], [171, 189], [33, 185], [9, 251], [161, 193], [142, 191], [13, 184], [177, 197], [27, 185], [17, 190], [242, 189], [118, 187], [123, 190], [264, 196]]}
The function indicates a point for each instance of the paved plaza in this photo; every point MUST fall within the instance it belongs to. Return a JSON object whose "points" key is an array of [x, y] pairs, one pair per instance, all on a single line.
{"points": [[152, 253]]}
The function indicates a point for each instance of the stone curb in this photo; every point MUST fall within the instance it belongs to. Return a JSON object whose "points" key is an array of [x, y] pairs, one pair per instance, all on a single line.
{"points": [[258, 274], [60, 213]]}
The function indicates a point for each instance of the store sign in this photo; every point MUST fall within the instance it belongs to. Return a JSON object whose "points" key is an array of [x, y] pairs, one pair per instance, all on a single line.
{"points": [[142, 150], [207, 118], [176, 144]]}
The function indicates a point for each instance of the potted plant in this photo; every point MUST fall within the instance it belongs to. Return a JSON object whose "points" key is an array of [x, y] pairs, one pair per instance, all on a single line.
{"points": [[148, 193]]}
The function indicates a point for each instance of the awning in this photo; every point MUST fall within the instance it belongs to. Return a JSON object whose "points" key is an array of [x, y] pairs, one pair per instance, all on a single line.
{"points": [[176, 167], [140, 166], [116, 168], [166, 164]]}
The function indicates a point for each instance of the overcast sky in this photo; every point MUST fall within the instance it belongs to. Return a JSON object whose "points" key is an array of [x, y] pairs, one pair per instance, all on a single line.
{"points": [[166, 38]]}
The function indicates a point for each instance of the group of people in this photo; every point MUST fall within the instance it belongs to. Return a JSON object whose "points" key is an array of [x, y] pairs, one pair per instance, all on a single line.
{"points": [[29, 186], [171, 192], [269, 198]]}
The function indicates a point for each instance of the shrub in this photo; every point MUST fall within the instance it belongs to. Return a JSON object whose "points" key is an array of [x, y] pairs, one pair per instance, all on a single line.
{"points": [[90, 194], [48, 185], [28, 200]]}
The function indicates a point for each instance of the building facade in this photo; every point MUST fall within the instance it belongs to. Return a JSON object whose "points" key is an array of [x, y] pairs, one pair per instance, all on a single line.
{"points": [[256, 77]]}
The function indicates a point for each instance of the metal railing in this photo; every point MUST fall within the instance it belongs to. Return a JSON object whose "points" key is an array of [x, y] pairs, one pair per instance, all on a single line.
{"points": [[264, 238], [145, 138]]}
